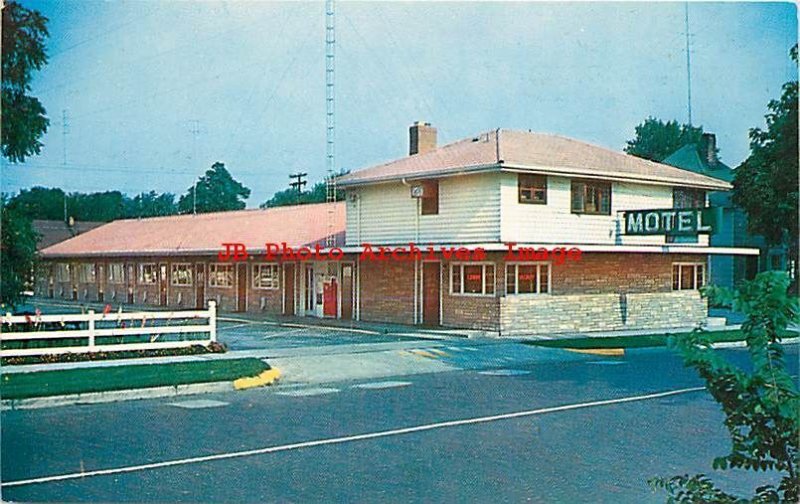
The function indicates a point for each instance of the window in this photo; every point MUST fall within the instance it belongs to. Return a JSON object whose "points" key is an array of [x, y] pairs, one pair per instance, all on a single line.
{"points": [[148, 273], [532, 189], [471, 278], [591, 197], [527, 278], [265, 276], [116, 273], [220, 275], [688, 276], [62, 272], [688, 198], [181, 274], [430, 198], [86, 273]]}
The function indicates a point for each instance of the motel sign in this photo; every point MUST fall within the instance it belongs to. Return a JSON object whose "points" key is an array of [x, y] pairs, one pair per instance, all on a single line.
{"points": [[670, 221]]}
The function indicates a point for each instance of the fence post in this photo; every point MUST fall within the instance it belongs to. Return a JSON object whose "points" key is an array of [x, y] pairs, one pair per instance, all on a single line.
{"points": [[212, 319], [92, 345]]}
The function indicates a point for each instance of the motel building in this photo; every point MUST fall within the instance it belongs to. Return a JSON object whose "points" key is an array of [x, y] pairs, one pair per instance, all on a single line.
{"points": [[642, 230]]}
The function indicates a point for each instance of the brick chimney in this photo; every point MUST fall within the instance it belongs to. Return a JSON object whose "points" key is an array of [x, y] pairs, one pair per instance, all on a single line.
{"points": [[709, 148], [421, 138]]}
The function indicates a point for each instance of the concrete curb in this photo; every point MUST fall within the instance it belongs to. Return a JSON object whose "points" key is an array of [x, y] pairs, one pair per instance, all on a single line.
{"points": [[742, 344], [115, 395]]}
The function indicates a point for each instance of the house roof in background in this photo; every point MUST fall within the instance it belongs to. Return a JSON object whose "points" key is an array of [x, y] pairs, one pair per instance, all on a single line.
{"points": [[688, 158], [55, 231], [300, 225], [535, 152]]}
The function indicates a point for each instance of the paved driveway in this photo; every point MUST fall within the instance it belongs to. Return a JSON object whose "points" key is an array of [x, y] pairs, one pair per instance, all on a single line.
{"points": [[590, 432]]}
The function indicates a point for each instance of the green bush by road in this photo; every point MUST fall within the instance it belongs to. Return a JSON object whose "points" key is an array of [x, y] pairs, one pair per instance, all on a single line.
{"points": [[133, 376]]}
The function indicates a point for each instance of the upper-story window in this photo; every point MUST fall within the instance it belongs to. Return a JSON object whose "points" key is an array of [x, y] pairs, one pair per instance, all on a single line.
{"points": [[688, 198], [532, 189], [430, 198], [591, 197]]}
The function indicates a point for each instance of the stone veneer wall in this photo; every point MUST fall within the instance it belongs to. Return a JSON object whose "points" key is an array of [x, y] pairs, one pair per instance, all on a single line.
{"points": [[601, 312]]}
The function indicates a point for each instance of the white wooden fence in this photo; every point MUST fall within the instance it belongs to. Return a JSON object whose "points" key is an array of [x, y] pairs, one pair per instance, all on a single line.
{"points": [[156, 325]]}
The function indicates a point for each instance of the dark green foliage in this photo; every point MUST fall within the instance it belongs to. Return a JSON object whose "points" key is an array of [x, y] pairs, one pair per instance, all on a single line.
{"points": [[24, 121], [18, 251], [766, 184], [761, 406], [656, 139], [48, 203], [217, 191]]}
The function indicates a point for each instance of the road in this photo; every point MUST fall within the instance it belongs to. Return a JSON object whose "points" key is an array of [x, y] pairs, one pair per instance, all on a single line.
{"points": [[583, 453]]}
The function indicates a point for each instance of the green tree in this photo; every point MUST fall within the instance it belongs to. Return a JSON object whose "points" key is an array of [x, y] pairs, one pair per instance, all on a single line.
{"points": [[317, 194], [40, 203], [150, 204], [24, 120], [761, 403], [18, 247], [656, 139], [217, 191], [766, 183]]}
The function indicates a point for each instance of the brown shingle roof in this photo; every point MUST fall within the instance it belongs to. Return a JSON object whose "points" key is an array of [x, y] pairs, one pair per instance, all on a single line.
{"points": [[54, 231], [303, 225], [537, 152]]}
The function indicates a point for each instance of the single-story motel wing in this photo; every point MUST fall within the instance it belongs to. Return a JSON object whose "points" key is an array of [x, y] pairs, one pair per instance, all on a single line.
{"points": [[477, 209]]}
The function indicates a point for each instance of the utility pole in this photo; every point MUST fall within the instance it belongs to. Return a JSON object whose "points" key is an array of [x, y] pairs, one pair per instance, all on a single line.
{"points": [[688, 64], [298, 183], [330, 117], [64, 133]]}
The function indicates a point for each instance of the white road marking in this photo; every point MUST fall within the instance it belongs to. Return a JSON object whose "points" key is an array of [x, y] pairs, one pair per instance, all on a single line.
{"points": [[606, 363], [199, 403], [382, 385], [236, 326], [504, 372], [308, 392], [347, 439]]}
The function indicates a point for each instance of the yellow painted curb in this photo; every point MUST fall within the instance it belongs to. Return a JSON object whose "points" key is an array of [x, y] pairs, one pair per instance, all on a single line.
{"points": [[424, 353], [608, 352], [268, 377]]}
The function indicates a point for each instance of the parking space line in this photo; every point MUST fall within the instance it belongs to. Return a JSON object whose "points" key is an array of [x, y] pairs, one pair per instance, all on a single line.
{"points": [[348, 439], [382, 385]]}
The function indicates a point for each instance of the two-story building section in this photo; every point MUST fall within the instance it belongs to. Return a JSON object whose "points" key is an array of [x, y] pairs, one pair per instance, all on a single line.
{"points": [[498, 191]]}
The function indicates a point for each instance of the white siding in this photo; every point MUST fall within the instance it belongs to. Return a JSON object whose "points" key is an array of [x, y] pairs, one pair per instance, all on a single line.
{"points": [[469, 212], [554, 222]]}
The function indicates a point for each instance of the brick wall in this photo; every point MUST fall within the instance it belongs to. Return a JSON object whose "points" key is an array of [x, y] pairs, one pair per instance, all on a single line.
{"points": [[471, 311], [601, 312], [387, 291]]}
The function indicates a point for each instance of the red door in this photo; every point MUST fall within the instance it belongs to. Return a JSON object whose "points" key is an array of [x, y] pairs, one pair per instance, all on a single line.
{"points": [[241, 285], [347, 291], [329, 306], [430, 293]]}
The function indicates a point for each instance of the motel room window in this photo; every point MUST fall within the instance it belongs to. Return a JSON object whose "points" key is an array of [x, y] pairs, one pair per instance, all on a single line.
{"points": [[591, 197], [532, 189], [430, 198], [265, 276], [148, 273], [527, 278], [116, 273], [688, 276], [220, 275], [471, 278], [181, 274], [86, 272], [62, 272]]}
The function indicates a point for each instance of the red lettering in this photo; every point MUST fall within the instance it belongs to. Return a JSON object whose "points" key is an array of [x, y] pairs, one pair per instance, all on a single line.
{"points": [[574, 254], [559, 255], [447, 252], [233, 251], [510, 253], [336, 254], [272, 249], [479, 254]]}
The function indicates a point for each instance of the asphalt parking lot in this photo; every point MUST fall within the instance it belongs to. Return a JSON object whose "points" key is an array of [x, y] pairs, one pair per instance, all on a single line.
{"points": [[447, 437]]}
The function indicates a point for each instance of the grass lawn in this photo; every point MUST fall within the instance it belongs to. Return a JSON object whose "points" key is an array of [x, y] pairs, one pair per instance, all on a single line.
{"points": [[640, 341], [132, 376]]}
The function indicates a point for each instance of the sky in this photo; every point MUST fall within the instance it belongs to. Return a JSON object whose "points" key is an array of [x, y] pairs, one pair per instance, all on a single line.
{"points": [[154, 92]]}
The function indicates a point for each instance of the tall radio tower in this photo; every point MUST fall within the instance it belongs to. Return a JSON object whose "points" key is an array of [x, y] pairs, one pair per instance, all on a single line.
{"points": [[688, 63], [330, 118]]}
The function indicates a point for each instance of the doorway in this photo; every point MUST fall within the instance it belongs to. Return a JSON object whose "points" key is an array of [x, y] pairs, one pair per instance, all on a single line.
{"points": [[288, 289], [241, 288], [308, 289], [347, 291], [431, 292], [162, 287], [129, 278], [200, 286]]}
